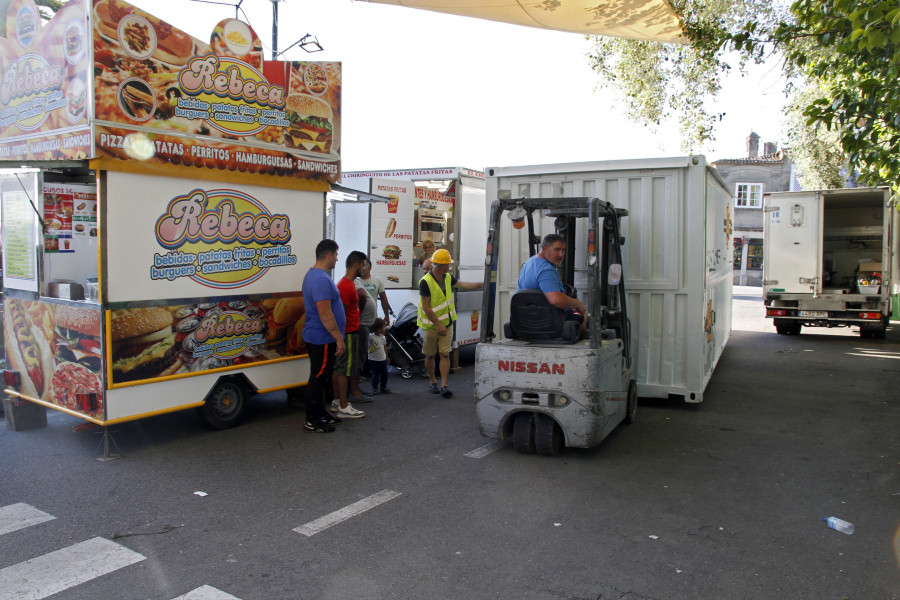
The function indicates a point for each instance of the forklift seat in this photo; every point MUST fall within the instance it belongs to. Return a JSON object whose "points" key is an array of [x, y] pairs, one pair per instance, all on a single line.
{"points": [[533, 319]]}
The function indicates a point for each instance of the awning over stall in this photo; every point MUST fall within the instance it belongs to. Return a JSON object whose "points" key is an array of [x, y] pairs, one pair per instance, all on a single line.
{"points": [[653, 20]]}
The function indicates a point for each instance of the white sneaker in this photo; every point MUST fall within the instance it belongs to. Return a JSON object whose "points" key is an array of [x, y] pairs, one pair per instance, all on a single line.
{"points": [[335, 405], [349, 413]]}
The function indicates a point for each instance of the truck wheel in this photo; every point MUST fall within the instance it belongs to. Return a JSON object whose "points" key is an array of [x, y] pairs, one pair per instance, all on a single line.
{"points": [[876, 333], [225, 406], [548, 437], [631, 403], [523, 433]]}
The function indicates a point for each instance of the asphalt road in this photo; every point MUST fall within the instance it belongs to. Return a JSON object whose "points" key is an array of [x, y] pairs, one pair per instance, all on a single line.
{"points": [[720, 500]]}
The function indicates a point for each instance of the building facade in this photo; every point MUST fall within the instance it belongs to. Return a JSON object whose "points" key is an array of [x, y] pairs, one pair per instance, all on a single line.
{"points": [[749, 178]]}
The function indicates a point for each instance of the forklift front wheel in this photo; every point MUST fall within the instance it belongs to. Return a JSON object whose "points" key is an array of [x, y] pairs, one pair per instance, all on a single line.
{"points": [[225, 405], [523, 433], [631, 403]]}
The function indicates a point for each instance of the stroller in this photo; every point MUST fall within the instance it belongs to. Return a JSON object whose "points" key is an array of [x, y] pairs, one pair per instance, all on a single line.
{"points": [[404, 347]]}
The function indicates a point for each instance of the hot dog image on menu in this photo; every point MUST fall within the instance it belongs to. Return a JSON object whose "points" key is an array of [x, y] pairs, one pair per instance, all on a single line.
{"points": [[391, 228]]}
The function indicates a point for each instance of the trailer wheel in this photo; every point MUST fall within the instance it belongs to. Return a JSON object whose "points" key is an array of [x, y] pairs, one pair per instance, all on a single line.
{"points": [[523, 433], [548, 437], [225, 406], [631, 403]]}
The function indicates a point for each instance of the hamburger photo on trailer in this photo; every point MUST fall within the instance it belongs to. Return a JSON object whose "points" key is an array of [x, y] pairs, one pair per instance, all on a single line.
{"points": [[311, 126], [77, 336], [391, 252], [143, 344]]}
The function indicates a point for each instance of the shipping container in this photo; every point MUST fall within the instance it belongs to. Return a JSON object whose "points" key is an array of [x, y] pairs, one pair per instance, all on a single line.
{"points": [[677, 258]]}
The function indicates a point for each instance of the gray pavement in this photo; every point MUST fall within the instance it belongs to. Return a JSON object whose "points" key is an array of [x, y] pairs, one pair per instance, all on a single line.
{"points": [[720, 500]]}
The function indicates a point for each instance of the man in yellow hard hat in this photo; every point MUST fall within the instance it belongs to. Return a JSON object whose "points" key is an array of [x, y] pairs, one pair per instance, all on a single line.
{"points": [[437, 312]]}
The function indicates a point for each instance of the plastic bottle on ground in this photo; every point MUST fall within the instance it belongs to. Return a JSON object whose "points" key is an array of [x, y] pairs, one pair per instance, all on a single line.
{"points": [[840, 525]]}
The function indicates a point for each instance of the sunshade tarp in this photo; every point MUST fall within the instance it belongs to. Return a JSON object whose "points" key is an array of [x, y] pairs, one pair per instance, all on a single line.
{"points": [[653, 20]]}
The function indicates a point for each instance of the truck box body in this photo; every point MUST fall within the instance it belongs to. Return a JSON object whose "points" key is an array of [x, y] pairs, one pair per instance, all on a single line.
{"points": [[677, 258], [830, 258]]}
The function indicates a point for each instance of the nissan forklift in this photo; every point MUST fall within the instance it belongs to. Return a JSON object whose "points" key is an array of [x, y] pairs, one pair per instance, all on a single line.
{"points": [[547, 380]]}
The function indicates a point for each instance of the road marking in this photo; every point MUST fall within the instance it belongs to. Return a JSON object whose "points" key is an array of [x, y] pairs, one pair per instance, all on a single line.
{"points": [[206, 592], [60, 570], [323, 523], [19, 516], [488, 448]]}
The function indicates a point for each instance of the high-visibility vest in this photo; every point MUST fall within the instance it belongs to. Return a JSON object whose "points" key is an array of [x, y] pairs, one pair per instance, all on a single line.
{"points": [[441, 304]]}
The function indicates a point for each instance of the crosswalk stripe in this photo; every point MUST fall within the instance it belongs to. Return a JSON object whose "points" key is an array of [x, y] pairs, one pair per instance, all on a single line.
{"points": [[488, 448], [60, 570], [322, 523], [206, 592], [19, 516]]}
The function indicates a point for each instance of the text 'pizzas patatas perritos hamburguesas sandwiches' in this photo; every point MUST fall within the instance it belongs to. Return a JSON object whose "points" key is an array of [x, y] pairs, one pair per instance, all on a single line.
{"points": [[143, 344], [311, 125]]}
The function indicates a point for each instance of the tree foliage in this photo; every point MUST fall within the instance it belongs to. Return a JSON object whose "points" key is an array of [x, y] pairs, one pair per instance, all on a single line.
{"points": [[674, 81], [841, 59], [815, 149]]}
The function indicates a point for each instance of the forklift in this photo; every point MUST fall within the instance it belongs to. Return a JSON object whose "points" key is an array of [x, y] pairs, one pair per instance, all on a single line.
{"points": [[549, 382]]}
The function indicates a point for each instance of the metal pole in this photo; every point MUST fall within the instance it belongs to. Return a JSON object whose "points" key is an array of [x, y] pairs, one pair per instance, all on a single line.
{"points": [[274, 29]]}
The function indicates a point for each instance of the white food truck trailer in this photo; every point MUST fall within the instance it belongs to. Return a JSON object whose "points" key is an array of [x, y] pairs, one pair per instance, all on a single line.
{"points": [[162, 197], [446, 205]]}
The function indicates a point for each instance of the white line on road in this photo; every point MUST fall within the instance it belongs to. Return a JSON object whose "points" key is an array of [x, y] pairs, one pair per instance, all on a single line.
{"points": [[19, 516], [60, 570], [488, 448], [323, 523], [206, 592]]}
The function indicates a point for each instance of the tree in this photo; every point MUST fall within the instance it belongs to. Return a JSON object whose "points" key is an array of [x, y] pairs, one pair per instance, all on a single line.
{"points": [[662, 81], [849, 50]]}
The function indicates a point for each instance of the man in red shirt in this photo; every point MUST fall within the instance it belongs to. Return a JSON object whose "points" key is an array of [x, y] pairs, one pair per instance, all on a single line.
{"points": [[346, 367]]}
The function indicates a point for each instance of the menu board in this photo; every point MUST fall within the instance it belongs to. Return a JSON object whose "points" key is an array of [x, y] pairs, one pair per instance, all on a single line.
{"points": [[392, 232], [70, 211], [19, 231]]}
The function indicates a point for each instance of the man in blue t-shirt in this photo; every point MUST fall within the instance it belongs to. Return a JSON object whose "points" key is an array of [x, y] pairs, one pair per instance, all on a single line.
{"points": [[539, 272], [323, 332]]}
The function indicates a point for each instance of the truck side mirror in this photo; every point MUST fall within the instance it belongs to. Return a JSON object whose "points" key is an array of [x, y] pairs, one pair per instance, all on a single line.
{"points": [[614, 277]]}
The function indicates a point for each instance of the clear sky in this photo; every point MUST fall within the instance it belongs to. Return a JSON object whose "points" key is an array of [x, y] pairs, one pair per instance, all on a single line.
{"points": [[422, 89]]}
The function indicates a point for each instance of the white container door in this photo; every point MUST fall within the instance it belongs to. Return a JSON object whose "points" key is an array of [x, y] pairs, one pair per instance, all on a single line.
{"points": [[792, 237]]}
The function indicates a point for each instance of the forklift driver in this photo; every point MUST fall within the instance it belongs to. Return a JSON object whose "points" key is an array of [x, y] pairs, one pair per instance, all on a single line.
{"points": [[539, 272]]}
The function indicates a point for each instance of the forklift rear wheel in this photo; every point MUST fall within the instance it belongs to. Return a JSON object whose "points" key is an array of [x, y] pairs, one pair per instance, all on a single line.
{"points": [[523, 433], [631, 403], [225, 406], [548, 437]]}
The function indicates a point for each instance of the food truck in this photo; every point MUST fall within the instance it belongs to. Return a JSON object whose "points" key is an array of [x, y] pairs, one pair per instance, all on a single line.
{"points": [[162, 197], [446, 205]]}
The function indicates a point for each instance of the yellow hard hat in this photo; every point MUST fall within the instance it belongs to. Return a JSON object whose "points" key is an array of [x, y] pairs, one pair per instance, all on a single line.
{"points": [[441, 257]]}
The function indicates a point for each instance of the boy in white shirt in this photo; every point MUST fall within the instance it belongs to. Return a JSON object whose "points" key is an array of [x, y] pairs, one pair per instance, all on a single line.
{"points": [[378, 358]]}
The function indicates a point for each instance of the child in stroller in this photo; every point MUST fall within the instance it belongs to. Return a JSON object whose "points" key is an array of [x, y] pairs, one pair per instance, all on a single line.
{"points": [[403, 344]]}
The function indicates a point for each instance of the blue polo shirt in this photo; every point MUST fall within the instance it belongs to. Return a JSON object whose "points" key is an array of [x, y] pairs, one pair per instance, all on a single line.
{"points": [[540, 273]]}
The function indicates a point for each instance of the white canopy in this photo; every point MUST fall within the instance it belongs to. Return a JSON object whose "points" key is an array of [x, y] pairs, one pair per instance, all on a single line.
{"points": [[653, 20]]}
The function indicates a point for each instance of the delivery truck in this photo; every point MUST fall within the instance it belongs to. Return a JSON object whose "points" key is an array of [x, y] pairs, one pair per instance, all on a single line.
{"points": [[676, 258], [162, 197], [830, 259], [446, 205]]}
